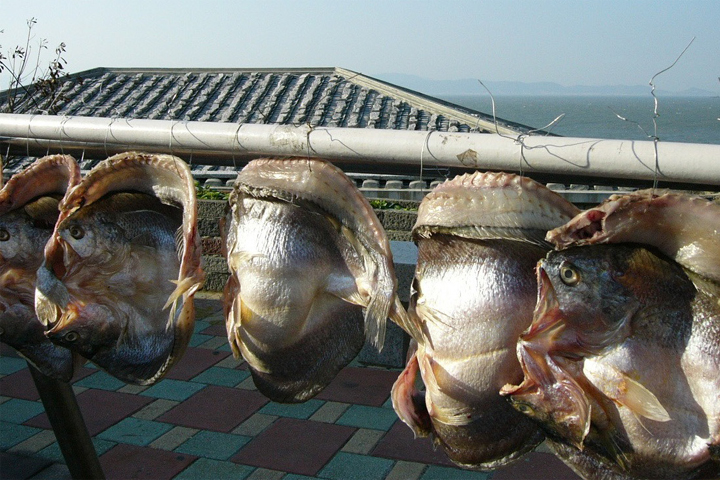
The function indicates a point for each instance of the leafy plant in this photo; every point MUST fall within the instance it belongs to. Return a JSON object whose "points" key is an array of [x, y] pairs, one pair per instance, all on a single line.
{"points": [[207, 193]]}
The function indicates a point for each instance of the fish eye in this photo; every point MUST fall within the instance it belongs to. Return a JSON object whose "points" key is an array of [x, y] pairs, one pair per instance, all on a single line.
{"points": [[4, 235], [71, 337], [524, 408], [76, 232], [568, 274]]}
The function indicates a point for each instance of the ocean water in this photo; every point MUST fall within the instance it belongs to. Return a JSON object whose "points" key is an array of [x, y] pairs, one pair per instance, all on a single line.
{"points": [[680, 119]]}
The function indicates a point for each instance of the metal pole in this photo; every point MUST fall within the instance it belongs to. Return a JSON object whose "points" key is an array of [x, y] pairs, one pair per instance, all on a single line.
{"points": [[68, 424], [587, 157]]}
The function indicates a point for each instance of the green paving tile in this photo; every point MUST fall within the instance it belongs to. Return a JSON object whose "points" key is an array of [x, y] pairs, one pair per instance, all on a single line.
{"points": [[18, 411], [435, 472], [198, 339], [293, 410], [224, 348], [52, 451], [173, 390], [295, 476], [201, 325], [349, 466], [205, 468], [135, 431], [362, 416], [100, 380], [225, 377], [215, 445], [12, 434], [10, 365]]}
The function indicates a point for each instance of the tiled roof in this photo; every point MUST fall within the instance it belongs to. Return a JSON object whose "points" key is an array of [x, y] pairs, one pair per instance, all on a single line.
{"points": [[331, 97]]}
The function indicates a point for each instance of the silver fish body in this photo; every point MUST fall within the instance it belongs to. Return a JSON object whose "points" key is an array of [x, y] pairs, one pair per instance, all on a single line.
{"points": [[119, 276], [479, 237], [310, 275], [28, 212], [621, 359]]}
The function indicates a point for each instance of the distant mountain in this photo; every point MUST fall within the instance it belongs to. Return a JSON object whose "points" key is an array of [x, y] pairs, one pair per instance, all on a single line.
{"points": [[470, 86]]}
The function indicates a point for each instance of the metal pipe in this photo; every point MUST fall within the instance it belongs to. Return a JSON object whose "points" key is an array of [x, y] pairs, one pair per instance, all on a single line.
{"points": [[68, 425], [587, 157]]}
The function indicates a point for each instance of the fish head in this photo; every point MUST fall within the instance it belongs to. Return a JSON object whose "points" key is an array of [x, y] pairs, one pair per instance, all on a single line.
{"points": [[585, 302], [79, 329]]}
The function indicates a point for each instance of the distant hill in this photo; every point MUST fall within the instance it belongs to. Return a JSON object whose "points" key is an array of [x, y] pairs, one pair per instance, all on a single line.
{"points": [[470, 86]]}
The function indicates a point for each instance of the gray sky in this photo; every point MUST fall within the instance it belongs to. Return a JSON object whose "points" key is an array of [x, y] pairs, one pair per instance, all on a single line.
{"points": [[570, 42]]}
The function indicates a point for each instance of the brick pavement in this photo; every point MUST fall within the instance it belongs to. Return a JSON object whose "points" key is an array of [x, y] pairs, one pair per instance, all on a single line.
{"points": [[205, 420]]}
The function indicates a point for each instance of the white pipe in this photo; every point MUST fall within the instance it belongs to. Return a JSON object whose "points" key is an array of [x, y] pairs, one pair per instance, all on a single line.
{"points": [[614, 159]]}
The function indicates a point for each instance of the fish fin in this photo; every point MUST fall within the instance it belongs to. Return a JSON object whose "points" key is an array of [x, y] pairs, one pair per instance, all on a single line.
{"points": [[625, 391], [408, 402], [434, 316], [611, 447], [477, 232], [186, 286], [404, 320], [179, 242]]}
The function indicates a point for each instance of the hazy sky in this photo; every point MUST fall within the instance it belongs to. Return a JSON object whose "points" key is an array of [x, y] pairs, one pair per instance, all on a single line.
{"points": [[571, 42]]}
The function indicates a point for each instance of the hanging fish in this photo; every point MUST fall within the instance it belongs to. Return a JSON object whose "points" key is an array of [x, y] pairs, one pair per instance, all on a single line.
{"points": [[621, 361], [123, 265], [479, 238], [311, 275], [28, 212]]}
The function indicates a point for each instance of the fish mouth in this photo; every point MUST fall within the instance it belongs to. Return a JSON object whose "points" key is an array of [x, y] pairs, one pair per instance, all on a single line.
{"points": [[549, 392]]}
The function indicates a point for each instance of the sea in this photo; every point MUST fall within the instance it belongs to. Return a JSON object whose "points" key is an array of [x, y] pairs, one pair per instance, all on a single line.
{"points": [[678, 119]]}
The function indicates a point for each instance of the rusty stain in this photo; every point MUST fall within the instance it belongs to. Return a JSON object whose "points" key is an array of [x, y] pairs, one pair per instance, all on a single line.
{"points": [[469, 158]]}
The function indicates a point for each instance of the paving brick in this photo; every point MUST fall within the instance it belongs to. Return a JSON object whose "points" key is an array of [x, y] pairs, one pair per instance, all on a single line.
{"points": [[295, 410], [35, 443], [294, 446], [173, 438], [536, 466], [173, 390], [215, 445], [214, 343], [350, 466], [362, 416], [363, 441], [217, 330], [155, 409], [21, 466], [134, 389], [11, 434], [254, 425], [19, 385], [205, 468], [219, 409], [406, 471], [100, 409], [399, 444], [364, 386], [330, 412], [56, 471], [19, 411], [435, 472], [101, 380], [226, 377], [9, 365], [135, 431], [247, 384], [128, 461], [266, 474], [53, 452], [194, 362], [198, 339]]}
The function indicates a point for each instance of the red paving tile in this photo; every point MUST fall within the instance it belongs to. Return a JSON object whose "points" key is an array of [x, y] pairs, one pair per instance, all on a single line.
{"points": [[124, 462], [194, 362], [363, 386], [220, 409], [536, 466], [100, 409], [399, 444], [19, 385], [218, 330], [295, 446]]}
